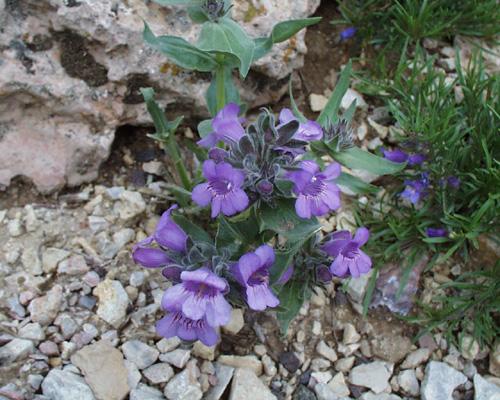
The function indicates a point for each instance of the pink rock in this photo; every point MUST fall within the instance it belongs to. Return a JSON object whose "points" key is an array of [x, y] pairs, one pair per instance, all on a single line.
{"points": [[49, 348]]}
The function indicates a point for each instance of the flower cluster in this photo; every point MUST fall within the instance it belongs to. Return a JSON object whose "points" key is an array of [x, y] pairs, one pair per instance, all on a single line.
{"points": [[261, 161], [196, 306]]}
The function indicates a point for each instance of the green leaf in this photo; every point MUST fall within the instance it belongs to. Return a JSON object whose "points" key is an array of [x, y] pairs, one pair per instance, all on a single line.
{"points": [[163, 127], [193, 231], [349, 113], [295, 109], [283, 260], [205, 128], [281, 32], [226, 36], [284, 220], [291, 297], [233, 235], [331, 110], [181, 52], [197, 15], [232, 94], [355, 158], [355, 185]]}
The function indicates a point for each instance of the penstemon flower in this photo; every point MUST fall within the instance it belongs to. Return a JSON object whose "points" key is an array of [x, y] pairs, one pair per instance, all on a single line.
{"points": [[348, 33], [223, 189], [168, 235], [227, 127], [399, 156], [177, 324], [349, 258], [315, 190], [308, 131], [415, 190], [200, 295], [436, 232], [252, 272]]}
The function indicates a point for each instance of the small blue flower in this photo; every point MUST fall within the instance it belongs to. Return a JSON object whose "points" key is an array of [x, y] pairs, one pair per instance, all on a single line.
{"points": [[348, 33]]}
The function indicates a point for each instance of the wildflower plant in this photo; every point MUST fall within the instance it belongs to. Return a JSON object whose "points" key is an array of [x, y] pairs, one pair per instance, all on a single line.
{"points": [[256, 193]]}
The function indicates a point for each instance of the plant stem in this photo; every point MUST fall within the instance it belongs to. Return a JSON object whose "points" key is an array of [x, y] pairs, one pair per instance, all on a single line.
{"points": [[219, 83], [174, 152]]}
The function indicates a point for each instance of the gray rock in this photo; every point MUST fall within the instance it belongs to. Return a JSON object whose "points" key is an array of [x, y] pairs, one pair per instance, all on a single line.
{"points": [[159, 373], [440, 380], [248, 362], [133, 374], [65, 385], [325, 392], [140, 353], [484, 390], [30, 259], [77, 110], [44, 309], [247, 386], [224, 374], [113, 302], [131, 204], [407, 380], [32, 331], [236, 323], [16, 349], [381, 396], [67, 324], [178, 358], [356, 288], [51, 257], [104, 370], [143, 392], [326, 351], [374, 376], [184, 386], [415, 358], [166, 345], [35, 381], [75, 265]]}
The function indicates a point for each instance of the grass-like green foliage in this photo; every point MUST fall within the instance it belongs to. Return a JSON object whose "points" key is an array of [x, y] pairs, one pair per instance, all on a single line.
{"points": [[462, 139], [471, 304], [394, 23]]}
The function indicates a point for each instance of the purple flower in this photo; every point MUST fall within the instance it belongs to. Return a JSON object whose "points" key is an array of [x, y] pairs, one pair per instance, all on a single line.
{"points": [[416, 189], [223, 189], [199, 296], [416, 159], [348, 33], [168, 235], [308, 131], [347, 253], [397, 156], [252, 272], [177, 324], [315, 190], [285, 277], [226, 125], [436, 232], [453, 181]]}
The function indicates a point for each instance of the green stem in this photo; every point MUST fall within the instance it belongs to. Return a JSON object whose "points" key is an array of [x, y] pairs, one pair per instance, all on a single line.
{"points": [[174, 152], [219, 84]]}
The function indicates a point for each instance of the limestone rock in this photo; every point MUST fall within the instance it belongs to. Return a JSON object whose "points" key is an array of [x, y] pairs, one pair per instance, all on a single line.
{"points": [[236, 323], [16, 349], [246, 362], [224, 374], [440, 381], [113, 302], [184, 386], [44, 309], [72, 69], [104, 370], [64, 385], [407, 380], [415, 358], [159, 373], [140, 353], [495, 360], [484, 390], [143, 392], [374, 375], [247, 386]]}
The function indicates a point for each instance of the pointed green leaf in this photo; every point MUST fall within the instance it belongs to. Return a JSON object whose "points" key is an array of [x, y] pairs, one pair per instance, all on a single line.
{"points": [[163, 127], [291, 297], [281, 32], [295, 109], [181, 52], [355, 158], [232, 95], [226, 36], [331, 110], [284, 220], [354, 184], [193, 231], [205, 128]]}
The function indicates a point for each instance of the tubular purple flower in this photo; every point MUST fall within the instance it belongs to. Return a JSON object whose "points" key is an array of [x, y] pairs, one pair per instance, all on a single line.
{"points": [[285, 277], [149, 257], [199, 296], [416, 189], [315, 190], [252, 272], [226, 125], [416, 159], [169, 234], [349, 259], [223, 189], [397, 156], [177, 324], [309, 131], [453, 181], [436, 232], [348, 33]]}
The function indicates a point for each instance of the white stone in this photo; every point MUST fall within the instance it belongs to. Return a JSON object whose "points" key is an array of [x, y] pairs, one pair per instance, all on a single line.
{"points": [[351, 336], [166, 345], [415, 358], [131, 204], [407, 380], [374, 375], [32, 331], [113, 302], [440, 381], [140, 353], [44, 309], [469, 348], [484, 390], [202, 351], [247, 386], [158, 373], [236, 323], [356, 288], [178, 358], [247, 362], [184, 386], [317, 102], [51, 257], [16, 349], [144, 392], [224, 375], [64, 385], [339, 385], [326, 351], [349, 97]]}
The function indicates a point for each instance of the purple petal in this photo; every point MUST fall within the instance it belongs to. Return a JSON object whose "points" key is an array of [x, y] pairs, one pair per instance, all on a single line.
{"points": [[218, 311], [285, 277], [266, 255], [309, 166], [363, 262], [339, 266], [216, 206], [201, 194], [348, 33], [436, 232], [259, 297], [174, 298], [208, 141], [362, 236], [318, 206], [309, 131], [454, 182], [194, 306], [303, 207], [172, 273], [206, 277], [227, 206], [166, 327], [239, 199], [247, 265], [150, 257], [209, 169], [286, 115], [332, 171], [217, 154], [416, 159], [331, 196], [300, 179], [169, 234], [397, 155], [207, 335], [324, 274], [337, 242]]}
